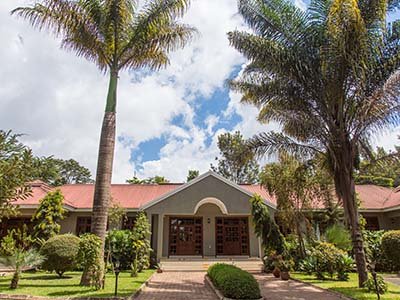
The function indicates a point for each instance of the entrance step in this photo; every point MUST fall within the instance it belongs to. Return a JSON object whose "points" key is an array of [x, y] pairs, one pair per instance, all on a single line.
{"points": [[202, 264]]}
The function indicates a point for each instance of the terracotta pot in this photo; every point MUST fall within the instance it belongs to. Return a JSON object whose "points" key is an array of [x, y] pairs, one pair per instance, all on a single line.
{"points": [[159, 270], [276, 272], [285, 275]]}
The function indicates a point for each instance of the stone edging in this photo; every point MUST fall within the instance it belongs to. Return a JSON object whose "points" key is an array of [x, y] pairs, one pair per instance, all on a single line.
{"points": [[217, 292], [29, 297], [340, 295]]}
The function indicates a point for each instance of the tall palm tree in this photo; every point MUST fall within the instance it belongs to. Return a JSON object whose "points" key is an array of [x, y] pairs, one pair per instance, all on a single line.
{"points": [[115, 35], [328, 76]]}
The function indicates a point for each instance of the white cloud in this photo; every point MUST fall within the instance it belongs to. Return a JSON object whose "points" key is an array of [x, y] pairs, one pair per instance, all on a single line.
{"points": [[58, 100]]}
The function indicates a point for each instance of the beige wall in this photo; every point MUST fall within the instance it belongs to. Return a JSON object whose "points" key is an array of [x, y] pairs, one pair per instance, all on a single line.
{"points": [[184, 203]]}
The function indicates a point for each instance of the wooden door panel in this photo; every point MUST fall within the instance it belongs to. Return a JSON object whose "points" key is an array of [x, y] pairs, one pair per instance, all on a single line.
{"points": [[185, 236], [232, 236]]}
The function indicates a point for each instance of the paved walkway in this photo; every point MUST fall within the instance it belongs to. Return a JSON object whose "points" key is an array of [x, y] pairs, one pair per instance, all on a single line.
{"points": [[191, 285], [393, 278], [179, 286], [275, 289]]}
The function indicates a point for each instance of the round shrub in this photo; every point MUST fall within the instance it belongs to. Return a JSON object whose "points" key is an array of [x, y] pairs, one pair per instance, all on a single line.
{"points": [[60, 253], [391, 247], [234, 282]]}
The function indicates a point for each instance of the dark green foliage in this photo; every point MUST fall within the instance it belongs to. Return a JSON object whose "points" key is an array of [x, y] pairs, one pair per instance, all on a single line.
{"points": [[376, 180], [58, 172], [192, 174], [16, 166], [234, 282], [151, 180], [326, 258], [391, 247], [89, 257], [265, 227], [236, 163], [339, 236], [141, 244], [48, 215], [119, 247], [379, 287], [60, 253]]}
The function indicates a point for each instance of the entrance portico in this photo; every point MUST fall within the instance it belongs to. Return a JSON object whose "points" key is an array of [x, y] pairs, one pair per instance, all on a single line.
{"points": [[207, 217]]}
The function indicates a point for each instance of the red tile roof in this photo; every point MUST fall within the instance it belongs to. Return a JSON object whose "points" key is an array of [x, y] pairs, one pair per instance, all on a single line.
{"points": [[133, 196]]}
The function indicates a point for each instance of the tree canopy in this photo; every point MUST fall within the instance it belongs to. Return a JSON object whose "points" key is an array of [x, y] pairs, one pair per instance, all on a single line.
{"points": [[150, 180], [236, 163], [329, 77], [16, 167], [56, 172]]}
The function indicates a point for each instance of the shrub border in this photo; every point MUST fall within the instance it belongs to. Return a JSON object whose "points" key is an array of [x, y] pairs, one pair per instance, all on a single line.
{"points": [[218, 293], [29, 297]]}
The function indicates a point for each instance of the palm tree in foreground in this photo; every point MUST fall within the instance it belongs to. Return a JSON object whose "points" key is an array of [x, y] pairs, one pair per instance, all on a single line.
{"points": [[115, 35], [329, 77]]}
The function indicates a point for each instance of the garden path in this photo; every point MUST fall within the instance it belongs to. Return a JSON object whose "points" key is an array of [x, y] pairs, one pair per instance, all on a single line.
{"points": [[191, 285], [393, 278]]}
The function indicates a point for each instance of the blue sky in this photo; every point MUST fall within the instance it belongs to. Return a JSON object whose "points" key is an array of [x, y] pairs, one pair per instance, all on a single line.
{"points": [[167, 121]]}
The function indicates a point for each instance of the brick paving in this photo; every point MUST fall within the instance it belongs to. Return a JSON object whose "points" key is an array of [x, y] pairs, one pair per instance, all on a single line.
{"points": [[177, 286], [275, 289], [191, 285]]}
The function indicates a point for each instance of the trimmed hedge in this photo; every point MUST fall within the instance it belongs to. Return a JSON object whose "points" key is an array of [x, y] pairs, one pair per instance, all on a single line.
{"points": [[391, 247], [60, 252], [234, 282]]}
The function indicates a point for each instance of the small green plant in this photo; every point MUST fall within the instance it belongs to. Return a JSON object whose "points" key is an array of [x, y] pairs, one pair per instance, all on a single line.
{"points": [[19, 254], [344, 265], [48, 216], [379, 287], [89, 257], [60, 253], [119, 248], [234, 282]]}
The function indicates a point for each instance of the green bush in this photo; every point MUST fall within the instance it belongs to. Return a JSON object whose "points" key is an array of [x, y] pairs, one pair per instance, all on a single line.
{"points": [[380, 287], [377, 180], [119, 247], [391, 247], [234, 282], [339, 236], [326, 258], [60, 253], [90, 259]]}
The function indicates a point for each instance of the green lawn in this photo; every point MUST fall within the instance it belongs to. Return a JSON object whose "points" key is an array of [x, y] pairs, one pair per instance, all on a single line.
{"points": [[349, 288], [45, 284]]}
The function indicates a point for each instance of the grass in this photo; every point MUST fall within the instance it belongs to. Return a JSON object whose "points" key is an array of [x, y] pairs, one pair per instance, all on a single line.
{"points": [[349, 288], [46, 284]]}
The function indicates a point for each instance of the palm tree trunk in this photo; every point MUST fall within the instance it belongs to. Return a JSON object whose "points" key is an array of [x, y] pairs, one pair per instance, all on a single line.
{"points": [[102, 191], [345, 188]]}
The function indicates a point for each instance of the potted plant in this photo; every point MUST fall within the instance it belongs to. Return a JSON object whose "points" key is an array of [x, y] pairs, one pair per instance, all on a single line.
{"points": [[277, 260], [285, 266]]}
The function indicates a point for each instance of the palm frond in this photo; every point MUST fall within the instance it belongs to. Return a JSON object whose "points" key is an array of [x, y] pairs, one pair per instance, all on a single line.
{"points": [[271, 143]]}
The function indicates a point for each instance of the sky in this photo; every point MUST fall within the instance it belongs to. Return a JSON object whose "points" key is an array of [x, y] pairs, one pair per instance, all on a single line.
{"points": [[167, 121]]}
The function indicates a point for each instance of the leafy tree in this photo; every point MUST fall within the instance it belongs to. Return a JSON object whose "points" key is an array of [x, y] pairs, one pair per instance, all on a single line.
{"points": [[328, 76], [48, 215], [16, 165], [58, 172], [265, 226], [115, 35], [151, 180], [296, 185], [380, 167], [140, 243], [192, 174], [236, 163]]}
